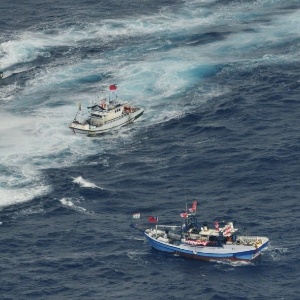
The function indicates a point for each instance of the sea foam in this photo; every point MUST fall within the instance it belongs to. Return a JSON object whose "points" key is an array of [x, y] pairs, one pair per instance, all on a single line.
{"points": [[84, 183]]}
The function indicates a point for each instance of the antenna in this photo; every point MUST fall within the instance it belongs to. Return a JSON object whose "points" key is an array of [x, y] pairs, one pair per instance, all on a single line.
{"points": [[185, 199]]}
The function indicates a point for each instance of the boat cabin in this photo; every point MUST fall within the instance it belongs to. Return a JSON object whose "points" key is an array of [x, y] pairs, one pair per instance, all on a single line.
{"points": [[194, 234], [105, 113]]}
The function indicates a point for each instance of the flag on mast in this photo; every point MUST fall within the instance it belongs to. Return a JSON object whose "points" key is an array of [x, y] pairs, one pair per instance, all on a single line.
{"points": [[184, 215], [152, 219], [194, 206], [113, 92], [136, 216]]}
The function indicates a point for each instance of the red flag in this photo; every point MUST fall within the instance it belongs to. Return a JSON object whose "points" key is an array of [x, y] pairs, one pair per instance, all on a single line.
{"points": [[183, 215], [152, 219], [113, 87], [194, 206]]}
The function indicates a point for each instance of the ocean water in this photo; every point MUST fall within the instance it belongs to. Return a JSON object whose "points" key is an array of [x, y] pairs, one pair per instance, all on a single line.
{"points": [[220, 84]]}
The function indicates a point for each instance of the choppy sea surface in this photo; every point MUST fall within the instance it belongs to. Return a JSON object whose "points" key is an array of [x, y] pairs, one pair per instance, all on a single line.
{"points": [[220, 84]]}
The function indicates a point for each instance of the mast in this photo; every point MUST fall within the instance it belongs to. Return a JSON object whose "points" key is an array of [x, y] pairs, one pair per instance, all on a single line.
{"points": [[79, 109]]}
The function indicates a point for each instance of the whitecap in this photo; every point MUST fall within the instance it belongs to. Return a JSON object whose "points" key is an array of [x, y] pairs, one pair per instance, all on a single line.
{"points": [[83, 183], [68, 202]]}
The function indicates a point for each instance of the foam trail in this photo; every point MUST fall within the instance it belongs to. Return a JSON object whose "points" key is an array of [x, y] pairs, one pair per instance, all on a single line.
{"points": [[21, 195], [29, 144]]}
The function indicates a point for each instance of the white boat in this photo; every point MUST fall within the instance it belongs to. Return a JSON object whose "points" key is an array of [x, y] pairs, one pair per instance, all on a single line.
{"points": [[105, 116], [201, 242]]}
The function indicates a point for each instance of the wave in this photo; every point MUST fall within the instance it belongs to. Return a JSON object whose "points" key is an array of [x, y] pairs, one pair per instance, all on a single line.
{"points": [[69, 203], [85, 184], [14, 196]]}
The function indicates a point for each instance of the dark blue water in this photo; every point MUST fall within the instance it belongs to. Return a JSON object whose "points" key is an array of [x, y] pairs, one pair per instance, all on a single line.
{"points": [[220, 84]]}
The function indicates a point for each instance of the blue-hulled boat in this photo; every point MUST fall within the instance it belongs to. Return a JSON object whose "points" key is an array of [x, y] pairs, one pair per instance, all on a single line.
{"points": [[201, 242]]}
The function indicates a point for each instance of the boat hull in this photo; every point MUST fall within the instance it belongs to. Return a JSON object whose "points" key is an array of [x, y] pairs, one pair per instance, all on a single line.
{"points": [[123, 120], [224, 252]]}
